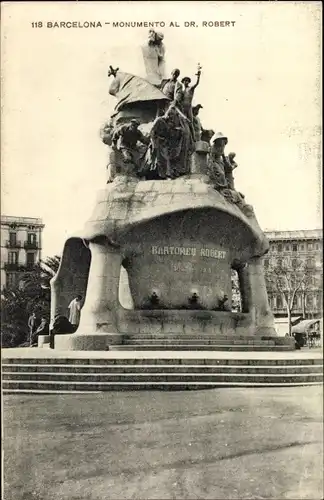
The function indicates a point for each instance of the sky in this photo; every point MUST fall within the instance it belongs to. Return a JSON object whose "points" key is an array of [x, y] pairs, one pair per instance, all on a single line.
{"points": [[260, 85]]}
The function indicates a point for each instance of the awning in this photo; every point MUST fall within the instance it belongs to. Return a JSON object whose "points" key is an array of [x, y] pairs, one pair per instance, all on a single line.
{"points": [[285, 320], [303, 326]]}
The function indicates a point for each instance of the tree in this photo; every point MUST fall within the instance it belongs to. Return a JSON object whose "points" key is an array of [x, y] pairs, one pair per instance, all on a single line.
{"points": [[288, 277], [40, 276], [15, 310], [31, 295]]}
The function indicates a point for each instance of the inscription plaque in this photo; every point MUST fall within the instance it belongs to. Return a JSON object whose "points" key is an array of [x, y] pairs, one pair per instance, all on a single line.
{"points": [[175, 269]]}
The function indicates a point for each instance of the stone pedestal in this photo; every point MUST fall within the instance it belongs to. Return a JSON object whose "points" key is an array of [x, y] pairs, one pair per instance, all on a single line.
{"points": [[198, 167], [175, 239], [43, 339]]}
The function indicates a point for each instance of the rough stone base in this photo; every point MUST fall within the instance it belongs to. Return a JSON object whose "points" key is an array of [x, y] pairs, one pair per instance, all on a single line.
{"points": [[80, 342], [173, 328]]}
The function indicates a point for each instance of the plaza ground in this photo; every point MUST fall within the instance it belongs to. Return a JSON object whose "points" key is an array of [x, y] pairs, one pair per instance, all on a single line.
{"points": [[212, 444]]}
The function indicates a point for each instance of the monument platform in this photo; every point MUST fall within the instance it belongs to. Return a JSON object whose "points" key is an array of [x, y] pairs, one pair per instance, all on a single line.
{"points": [[42, 370]]}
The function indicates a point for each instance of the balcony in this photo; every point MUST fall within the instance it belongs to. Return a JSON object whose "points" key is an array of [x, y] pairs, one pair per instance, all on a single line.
{"points": [[31, 245], [13, 244], [10, 266], [21, 268]]}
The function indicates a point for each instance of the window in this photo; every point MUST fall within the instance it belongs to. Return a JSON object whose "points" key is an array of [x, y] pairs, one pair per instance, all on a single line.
{"points": [[294, 263], [279, 302], [294, 247], [301, 247], [13, 258], [317, 246], [309, 300], [280, 247], [30, 259], [11, 280], [287, 248], [266, 262], [31, 238], [310, 246], [12, 239], [318, 300], [310, 262]]}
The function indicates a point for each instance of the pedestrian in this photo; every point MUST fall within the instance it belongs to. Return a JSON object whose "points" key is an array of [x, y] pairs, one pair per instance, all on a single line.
{"points": [[41, 330], [32, 320], [75, 308]]}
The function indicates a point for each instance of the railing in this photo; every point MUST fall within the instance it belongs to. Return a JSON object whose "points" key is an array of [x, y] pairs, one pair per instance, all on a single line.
{"points": [[10, 266], [13, 244], [31, 244]]}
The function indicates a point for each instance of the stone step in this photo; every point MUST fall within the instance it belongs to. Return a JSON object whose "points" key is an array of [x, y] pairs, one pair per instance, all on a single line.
{"points": [[15, 387], [161, 360], [191, 336], [197, 347], [28, 379], [158, 368], [196, 341]]}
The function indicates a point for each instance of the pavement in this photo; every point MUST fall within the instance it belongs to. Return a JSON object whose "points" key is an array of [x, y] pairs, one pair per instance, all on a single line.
{"points": [[212, 444]]}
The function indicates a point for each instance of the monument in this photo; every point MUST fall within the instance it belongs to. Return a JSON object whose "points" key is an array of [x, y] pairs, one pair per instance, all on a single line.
{"points": [[171, 217]]}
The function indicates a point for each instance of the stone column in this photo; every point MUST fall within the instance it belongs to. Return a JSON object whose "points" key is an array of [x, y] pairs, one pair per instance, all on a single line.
{"points": [[255, 297], [98, 325], [99, 311]]}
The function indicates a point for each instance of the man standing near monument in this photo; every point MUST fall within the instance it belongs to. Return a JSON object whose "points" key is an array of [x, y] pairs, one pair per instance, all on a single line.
{"points": [[75, 310], [41, 330], [32, 326]]}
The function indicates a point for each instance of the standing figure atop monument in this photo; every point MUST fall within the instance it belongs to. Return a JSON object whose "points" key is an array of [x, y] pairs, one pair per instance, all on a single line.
{"points": [[220, 171], [197, 127], [185, 94], [169, 87], [154, 58], [168, 156], [230, 165], [216, 163]]}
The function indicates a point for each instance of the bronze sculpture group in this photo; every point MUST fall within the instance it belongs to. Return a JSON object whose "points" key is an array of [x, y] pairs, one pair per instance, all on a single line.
{"points": [[175, 129]]}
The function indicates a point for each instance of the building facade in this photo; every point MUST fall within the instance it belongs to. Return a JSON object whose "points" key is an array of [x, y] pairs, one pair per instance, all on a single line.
{"points": [[21, 247], [304, 247]]}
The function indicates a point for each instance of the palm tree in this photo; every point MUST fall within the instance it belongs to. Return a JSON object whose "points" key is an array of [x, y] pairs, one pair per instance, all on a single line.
{"points": [[15, 309], [31, 295], [40, 275]]}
